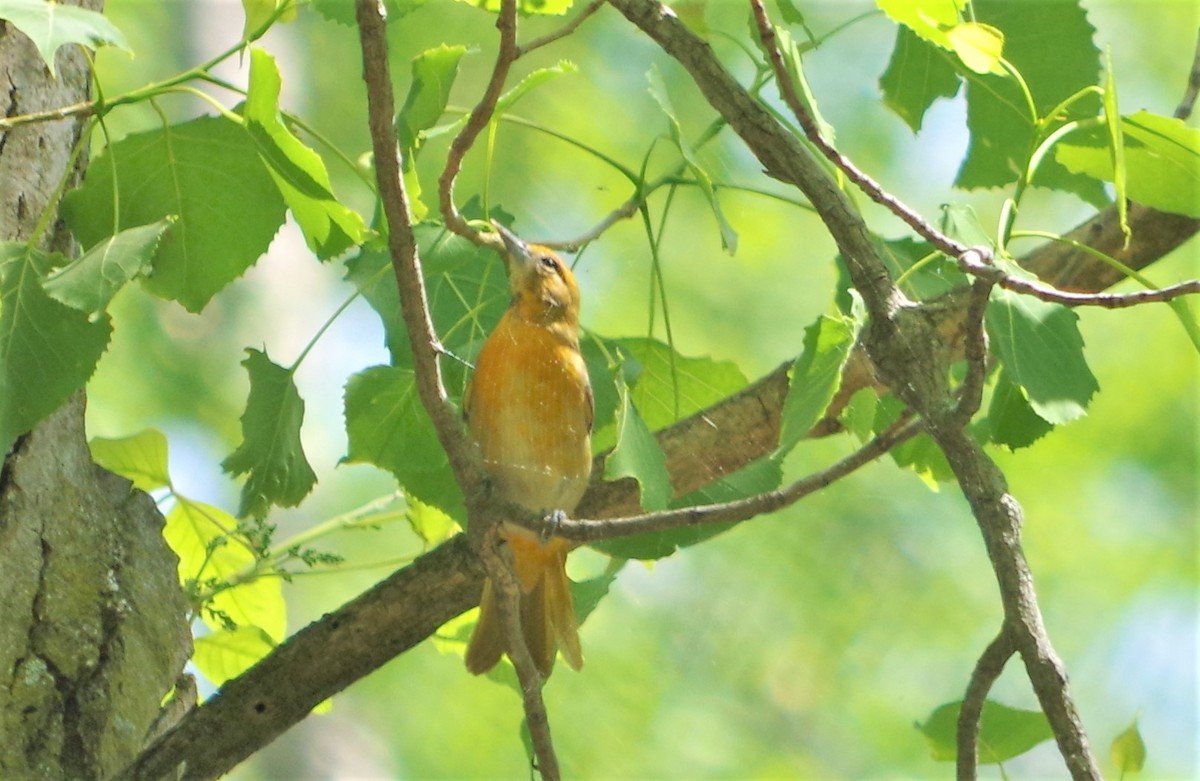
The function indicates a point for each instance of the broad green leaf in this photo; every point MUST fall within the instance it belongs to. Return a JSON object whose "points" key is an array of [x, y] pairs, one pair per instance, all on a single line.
{"points": [[637, 455], [206, 172], [329, 227], [918, 269], [212, 555], [1128, 751], [433, 74], [1041, 350], [1051, 45], [1162, 162], [760, 476], [141, 458], [959, 221], [669, 386], [815, 376], [550, 7], [658, 91], [90, 282], [1116, 145], [270, 453], [227, 653], [922, 455], [387, 426], [859, 415], [1010, 420], [51, 25], [586, 594], [917, 74], [47, 350], [1004, 732], [979, 46]]}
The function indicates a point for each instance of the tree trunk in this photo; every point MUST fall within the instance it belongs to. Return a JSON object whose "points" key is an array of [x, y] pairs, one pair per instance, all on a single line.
{"points": [[92, 620]]}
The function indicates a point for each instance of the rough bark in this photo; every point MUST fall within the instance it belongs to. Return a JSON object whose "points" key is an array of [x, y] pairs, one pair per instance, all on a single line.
{"points": [[92, 627]]}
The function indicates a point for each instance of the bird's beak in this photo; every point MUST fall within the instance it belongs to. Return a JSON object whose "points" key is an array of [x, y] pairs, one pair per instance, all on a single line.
{"points": [[515, 250]]}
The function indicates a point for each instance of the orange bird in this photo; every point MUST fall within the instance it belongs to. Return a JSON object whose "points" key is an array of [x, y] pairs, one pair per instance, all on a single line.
{"points": [[529, 408]]}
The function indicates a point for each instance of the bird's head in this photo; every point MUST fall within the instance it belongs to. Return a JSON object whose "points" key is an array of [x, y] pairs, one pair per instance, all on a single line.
{"points": [[543, 288]]}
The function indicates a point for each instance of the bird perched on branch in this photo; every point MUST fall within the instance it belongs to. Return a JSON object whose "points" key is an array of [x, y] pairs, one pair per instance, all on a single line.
{"points": [[529, 408]]}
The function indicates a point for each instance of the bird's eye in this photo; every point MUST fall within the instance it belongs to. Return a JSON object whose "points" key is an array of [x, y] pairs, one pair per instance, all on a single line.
{"points": [[548, 263]]}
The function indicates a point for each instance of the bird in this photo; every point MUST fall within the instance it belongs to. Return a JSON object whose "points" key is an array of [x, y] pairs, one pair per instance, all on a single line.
{"points": [[529, 409]]}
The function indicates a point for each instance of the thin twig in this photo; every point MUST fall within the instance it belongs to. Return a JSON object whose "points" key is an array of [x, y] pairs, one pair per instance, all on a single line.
{"points": [[497, 561], [865, 183], [563, 31], [403, 248], [729, 512], [1184, 110], [506, 23], [987, 669], [973, 263]]}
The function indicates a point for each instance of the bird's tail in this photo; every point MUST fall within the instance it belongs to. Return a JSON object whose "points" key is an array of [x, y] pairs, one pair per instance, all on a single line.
{"points": [[547, 613]]}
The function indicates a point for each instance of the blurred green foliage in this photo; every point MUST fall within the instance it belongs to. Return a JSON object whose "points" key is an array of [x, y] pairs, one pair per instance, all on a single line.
{"points": [[801, 645]]}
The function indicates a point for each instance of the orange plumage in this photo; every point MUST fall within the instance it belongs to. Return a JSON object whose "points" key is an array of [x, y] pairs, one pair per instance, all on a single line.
{"points": [[529, 408]]}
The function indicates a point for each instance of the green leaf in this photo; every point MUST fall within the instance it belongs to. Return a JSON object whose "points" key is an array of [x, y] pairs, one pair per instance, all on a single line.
{"points": [[534, 79], [51, 25], [1004, 732], [259, 11], [637, 455], [760, 476], [1042, 351], [1116, 145], [206, 172], [979, 46], [1051, 45], [549, 7], [1128, 751], [667, 386], [586, 594], [1011, 421], [922, 455], [927, 18], [433, 74], [859, 415], [428, 522], [1162, 162], [270, 452], [916, 76], [227, 653], [141, 458], [212, 556], [467, 291], [658, 90], [329, 227], [90, 282], [815, 376], [387, 426], [47, 350]]}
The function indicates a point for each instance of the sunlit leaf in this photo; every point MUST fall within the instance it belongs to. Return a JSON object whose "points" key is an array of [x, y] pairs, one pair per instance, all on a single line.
{"points": [[208, 174], [47, 349], [428, 522], [227, 653], [1004, 732], [271, 453], [259, 11], [668, 386], [551, 7], [51, 25], [979, 46], [212, 556], [141, 458], [1128, 751], [1162, 162], [342, 11], [328, 227], [90, 282], [1042, 351], [534, 79], [433, 74]]}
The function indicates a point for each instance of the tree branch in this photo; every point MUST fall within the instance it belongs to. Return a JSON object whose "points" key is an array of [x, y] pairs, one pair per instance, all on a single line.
{"points": [[563, 31], [987, 669]]}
